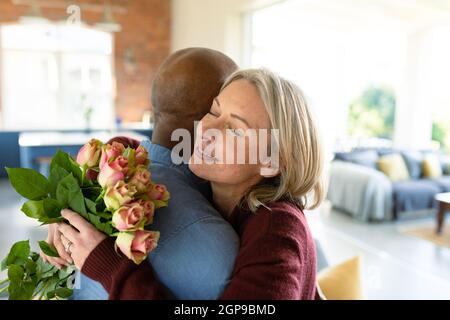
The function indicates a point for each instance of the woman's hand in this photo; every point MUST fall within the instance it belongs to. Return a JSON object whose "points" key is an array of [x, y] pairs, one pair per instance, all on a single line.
{"points": [[80, 237], [54, 238]]}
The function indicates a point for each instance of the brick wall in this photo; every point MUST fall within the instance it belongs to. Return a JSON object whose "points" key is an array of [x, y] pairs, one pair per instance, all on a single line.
{"points": [[145, 32]]}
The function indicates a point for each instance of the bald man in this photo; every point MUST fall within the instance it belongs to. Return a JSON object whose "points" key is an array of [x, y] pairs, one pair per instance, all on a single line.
{"points": [[197, 248]]}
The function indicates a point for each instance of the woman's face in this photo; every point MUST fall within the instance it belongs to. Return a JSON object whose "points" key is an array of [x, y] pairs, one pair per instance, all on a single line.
{"points": [[223, 152]]}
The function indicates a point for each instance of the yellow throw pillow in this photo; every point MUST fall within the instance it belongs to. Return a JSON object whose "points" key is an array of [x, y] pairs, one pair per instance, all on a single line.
{"points": [[431, 166], [342, 282], [394, 167]]}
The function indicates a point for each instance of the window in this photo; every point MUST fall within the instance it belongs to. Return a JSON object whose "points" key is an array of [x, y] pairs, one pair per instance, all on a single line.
{"points": [[372, 115], [53, 75], [335, 58], [436, 84]]}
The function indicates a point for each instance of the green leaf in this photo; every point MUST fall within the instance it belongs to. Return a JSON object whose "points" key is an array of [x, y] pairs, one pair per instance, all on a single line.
{"points": [[57, 173], [52, 208], [20, 291], [90, 205], [3, 265], [51, 294], [47, 220], [68, 194], [18, 254], [91, 192], [65, 272], [45, 269], [33, 209], [65, 161], [63, 293], [30, 267], [28, 183], [15, 273], [48, 249]]}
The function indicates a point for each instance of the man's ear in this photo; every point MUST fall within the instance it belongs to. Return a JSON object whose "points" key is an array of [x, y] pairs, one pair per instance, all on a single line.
{"points": [[269, 171]]}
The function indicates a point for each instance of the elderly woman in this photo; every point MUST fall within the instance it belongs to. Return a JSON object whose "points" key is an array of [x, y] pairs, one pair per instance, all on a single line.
{"points": [[264, 199]]}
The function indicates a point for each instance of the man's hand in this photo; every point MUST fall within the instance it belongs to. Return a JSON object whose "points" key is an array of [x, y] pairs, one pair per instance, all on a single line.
{"points": [[80, 237], [54, 238]]}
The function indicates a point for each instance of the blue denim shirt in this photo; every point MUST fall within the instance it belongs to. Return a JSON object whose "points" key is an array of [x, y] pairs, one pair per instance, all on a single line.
{"points": [[197, 248]]}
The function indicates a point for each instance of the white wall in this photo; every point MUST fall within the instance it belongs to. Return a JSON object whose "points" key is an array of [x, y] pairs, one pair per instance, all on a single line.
{"points": [[413, 112], [216, 24]]}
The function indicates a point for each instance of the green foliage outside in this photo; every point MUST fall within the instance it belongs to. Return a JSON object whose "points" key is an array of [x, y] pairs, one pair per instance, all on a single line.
{"points": [[441, 134], [373, 114]]}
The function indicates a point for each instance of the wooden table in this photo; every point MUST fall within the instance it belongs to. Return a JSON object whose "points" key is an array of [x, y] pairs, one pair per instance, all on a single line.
{"points": [[443, 200]]}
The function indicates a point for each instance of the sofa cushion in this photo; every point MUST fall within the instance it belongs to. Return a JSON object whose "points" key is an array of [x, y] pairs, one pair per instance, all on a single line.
{"points": [[343, 281], [432, 167], [443, 183], [415, 195], [394, 167], [413, 160], [367, 158]]}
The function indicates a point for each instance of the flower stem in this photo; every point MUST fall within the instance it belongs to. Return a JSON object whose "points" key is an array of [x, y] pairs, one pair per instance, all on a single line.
{"points": [[4, 289], [101, 195], [4, 281], [83, 174]]}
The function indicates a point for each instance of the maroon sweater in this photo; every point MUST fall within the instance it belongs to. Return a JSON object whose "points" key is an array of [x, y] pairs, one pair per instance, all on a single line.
{"points": [[276, 260]]}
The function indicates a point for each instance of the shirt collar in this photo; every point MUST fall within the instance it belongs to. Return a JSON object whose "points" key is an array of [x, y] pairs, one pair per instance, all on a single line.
{"points": [[158, 153]]}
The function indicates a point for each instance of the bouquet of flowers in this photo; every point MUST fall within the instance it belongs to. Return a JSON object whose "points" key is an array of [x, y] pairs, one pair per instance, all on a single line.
{"points": [[109, 185]]}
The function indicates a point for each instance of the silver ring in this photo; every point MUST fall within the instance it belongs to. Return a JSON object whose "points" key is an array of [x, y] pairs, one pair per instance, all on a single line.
{"points": [[67, 247]]}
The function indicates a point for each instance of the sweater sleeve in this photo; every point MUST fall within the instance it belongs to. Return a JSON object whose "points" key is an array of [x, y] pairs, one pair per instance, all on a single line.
{"points": [[121, 278], [276, 260]]}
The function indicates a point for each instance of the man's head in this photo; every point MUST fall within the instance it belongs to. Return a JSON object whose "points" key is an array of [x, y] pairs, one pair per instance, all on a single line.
{"points": [[184, 88]]}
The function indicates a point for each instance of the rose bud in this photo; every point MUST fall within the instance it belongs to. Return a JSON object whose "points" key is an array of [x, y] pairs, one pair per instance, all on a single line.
{"points": [[141, 156], [141, 178], [136, 245], [159, 194], [118, 195], [129, 217], [91, 174], [110, 152], [149, 210], [89, 154], [109, 176], [127, 142]]}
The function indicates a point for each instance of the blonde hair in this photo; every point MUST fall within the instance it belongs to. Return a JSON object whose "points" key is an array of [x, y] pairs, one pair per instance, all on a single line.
{"points": [[301, 154]]}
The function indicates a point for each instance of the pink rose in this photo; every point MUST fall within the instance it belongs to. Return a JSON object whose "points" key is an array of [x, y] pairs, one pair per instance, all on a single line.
{"points": [[129, 217], [110, 152], [141, 156], [159, 194], [141, 178], [120, 164], [109, 176], [149, 210], [118, 195], [89, 154], [136, 245]]}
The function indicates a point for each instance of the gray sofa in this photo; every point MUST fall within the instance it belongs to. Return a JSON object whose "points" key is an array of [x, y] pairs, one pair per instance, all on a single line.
{"points": [[359, 188]]}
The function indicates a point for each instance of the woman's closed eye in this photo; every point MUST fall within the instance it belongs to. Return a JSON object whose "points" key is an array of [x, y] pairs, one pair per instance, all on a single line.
{"points": [[214, 113], [237, 132]]}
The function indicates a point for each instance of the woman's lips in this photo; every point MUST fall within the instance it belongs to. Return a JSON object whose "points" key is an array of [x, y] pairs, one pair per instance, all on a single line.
{"points": [[199, 153]]}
